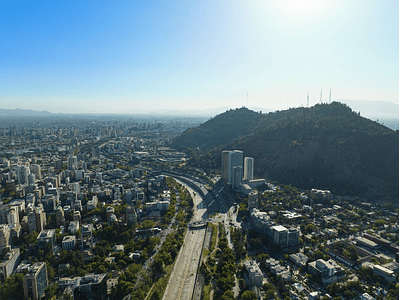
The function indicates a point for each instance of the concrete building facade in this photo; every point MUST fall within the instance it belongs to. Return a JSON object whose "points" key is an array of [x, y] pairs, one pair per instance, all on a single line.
{"points": [[248, 168], [90, 287], [35, 281]]}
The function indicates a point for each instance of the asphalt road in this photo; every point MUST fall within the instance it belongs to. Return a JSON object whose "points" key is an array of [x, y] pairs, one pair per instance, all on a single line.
{"points": [[183, 278]]}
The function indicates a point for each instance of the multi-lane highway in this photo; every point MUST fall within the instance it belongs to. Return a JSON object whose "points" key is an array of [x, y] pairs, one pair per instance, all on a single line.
{"points": [[208, 199], [183, 277]]}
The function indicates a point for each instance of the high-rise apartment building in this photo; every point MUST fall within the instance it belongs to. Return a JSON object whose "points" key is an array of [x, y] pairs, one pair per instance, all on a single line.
{"points": [[69, 242], [13, 215], [231, 160], [22, 173], [226, 162], [277, 234], [236, 161], [4, 209], [77, 217], [76, 187], [35, 169], [72, 162], [49, 203], [31, 178], [87, 235], [9, 263], [58, 164], [253, 199], [109, 211], [92, 204], [248, 168], [60, 218], [91, 287], [35, 281], [237, 177], [79, 175], [96, 152], [4, 236], [131, 216], [54, 180], [37, 219], [46, 240]]}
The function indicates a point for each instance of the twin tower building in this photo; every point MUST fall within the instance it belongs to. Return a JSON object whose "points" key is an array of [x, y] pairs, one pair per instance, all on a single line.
{"points": [[233, 170]]}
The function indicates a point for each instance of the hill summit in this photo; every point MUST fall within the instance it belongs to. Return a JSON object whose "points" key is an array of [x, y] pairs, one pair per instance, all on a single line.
{"points": [[327, 146]]}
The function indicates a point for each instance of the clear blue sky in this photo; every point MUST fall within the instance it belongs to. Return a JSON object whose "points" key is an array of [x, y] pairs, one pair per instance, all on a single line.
{"points": [[126, 56]]}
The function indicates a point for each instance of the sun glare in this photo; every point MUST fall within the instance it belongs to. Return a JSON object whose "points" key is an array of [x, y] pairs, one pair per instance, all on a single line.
{"points": [[301, 11]]}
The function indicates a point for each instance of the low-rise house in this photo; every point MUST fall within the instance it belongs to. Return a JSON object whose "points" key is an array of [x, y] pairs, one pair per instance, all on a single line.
{"points": [[87, 255], [110, 259], [118, 248], [314, 295], [299, 259], [366, 296]]}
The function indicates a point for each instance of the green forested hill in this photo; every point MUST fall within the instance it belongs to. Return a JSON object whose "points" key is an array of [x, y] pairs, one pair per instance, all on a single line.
{"points": [[220, 130], [325, 147]]}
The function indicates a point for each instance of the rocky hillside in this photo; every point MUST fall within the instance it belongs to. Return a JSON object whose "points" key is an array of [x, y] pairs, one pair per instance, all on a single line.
{"points": [[325, 146]]}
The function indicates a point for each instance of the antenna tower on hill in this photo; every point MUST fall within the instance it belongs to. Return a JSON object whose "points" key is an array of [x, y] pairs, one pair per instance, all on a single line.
{"points": [[308, 97], [330, 94], [320, 98]]}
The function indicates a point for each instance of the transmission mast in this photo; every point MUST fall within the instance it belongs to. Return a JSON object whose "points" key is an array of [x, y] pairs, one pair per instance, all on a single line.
{"points": [[320, 98], [308, 97], [330, 94]]}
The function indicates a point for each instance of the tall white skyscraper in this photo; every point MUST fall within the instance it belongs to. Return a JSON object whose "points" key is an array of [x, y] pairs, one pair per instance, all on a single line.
{"points": [[248, 168], [230, 160], [236, 161], [225, 166]]}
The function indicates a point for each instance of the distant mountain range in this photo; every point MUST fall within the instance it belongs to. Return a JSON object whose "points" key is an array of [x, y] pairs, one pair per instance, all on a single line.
{"points": [[369, 109], [386, 113], [325, 147], [23, 112], [209, 112], [374, 109]]}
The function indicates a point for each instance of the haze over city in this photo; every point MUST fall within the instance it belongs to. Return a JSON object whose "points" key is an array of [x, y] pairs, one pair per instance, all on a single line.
{"points": [[132, 56], [201, 149]]}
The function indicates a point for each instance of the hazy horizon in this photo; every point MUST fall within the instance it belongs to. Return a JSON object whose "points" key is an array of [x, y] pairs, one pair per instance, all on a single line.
{"points": [[369, 109], [125, 56]]}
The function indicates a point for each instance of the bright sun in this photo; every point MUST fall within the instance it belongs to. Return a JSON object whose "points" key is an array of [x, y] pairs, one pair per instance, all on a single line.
{"points": [[301, 11]]}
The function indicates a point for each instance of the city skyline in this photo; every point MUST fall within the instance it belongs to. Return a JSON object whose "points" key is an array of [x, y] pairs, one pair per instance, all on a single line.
{"points": [[127, 57]]}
